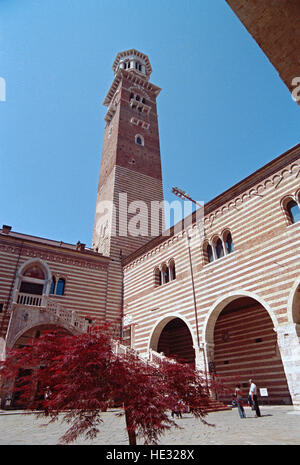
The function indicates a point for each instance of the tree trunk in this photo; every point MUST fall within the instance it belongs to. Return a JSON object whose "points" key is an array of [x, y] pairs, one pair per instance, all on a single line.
{"points": [[130, 430]]}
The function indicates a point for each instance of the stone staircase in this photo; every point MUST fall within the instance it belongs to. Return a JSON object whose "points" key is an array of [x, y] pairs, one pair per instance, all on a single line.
{"points": [[217, 406], [154, 358]]}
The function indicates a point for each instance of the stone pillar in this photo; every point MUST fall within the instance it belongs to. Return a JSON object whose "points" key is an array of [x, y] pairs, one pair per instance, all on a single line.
{"points": [[2, 349], [288, 338], [199, 358]]}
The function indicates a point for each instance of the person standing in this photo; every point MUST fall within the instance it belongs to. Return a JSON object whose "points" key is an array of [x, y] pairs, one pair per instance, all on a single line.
{"points": [[253, 395], [239, 401]]}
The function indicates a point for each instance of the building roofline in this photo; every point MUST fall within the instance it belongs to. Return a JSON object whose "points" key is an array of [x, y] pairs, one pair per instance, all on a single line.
{"points": [[129, 52], [60, 245]]}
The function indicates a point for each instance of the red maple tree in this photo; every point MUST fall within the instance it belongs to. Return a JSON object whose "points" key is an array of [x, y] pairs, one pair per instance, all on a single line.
{"points": [[80, 376]]}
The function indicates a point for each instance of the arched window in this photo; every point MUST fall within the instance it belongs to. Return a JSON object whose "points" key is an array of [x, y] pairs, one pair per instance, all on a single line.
{"points": [[139, 139], [60, 288], [219, 248], [208, 253], [293, 211], [35, 272], [166, 274], [157, 277], [228, 242], [172, 271], [32, 280]]}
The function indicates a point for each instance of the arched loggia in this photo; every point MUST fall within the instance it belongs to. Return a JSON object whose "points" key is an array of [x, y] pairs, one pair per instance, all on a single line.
{"points": [[243, 344], [173, 338]]}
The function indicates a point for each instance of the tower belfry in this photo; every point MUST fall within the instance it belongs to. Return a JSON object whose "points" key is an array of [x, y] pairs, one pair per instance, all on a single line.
{"points": [[130, 175]]}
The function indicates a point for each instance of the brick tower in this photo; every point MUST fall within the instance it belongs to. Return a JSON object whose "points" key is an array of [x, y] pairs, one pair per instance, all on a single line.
{"points": [[130, 176]]}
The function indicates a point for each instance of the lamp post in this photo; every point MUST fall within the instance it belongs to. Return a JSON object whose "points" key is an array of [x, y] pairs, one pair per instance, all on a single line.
{"points": [[184, 196]]}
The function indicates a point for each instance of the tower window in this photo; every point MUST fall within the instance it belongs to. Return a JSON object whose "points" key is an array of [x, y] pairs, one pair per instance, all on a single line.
{"points": [[139, 139]]}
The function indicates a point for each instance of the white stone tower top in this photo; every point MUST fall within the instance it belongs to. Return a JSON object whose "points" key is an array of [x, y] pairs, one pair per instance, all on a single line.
{"points": [[133, 60]]}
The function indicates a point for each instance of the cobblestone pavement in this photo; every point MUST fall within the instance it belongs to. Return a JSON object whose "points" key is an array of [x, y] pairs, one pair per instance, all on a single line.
{"points": [[279, 425]]}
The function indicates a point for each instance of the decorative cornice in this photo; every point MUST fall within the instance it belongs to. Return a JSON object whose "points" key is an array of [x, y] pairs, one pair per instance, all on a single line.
{"points": [[65, 257], [132, 78], [270, 175]]}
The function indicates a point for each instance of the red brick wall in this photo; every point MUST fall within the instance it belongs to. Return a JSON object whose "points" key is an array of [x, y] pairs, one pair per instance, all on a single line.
{"points": [[274, 25]]}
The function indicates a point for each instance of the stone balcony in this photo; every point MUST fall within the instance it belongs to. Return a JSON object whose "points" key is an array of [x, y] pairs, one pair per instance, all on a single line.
{"points": [[28, 311]]}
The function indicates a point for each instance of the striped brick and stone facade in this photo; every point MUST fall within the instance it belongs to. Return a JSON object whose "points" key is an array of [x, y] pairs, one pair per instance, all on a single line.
{"points": [[220, 291], [130, 174], [236, 316], [274, 26], [32, 270]]}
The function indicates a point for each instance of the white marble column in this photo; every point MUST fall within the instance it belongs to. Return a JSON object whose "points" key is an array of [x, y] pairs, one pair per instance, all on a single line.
{"points": [[288, 338]]}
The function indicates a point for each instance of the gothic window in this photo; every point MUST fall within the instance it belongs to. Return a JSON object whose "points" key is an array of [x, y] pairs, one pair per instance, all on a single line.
{"points": [[32, 280], [210, 255], [157, 277], [172, 270], [293, 211], [166, 274], [219, 248], [34, 272], [228, 242]]}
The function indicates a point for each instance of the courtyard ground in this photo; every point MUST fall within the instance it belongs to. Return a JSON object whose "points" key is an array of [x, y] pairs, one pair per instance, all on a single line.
{"points": [[279, 425]]}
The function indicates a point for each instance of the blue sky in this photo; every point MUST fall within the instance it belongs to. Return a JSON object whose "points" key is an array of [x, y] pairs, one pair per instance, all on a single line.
{"points": [[223, 111]]}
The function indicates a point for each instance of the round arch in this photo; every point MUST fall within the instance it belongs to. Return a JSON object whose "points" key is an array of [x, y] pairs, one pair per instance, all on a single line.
{"points": [[33, 261], [241, 342], [160, 325], [293, 307], [43, 326], [221, 303]]}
